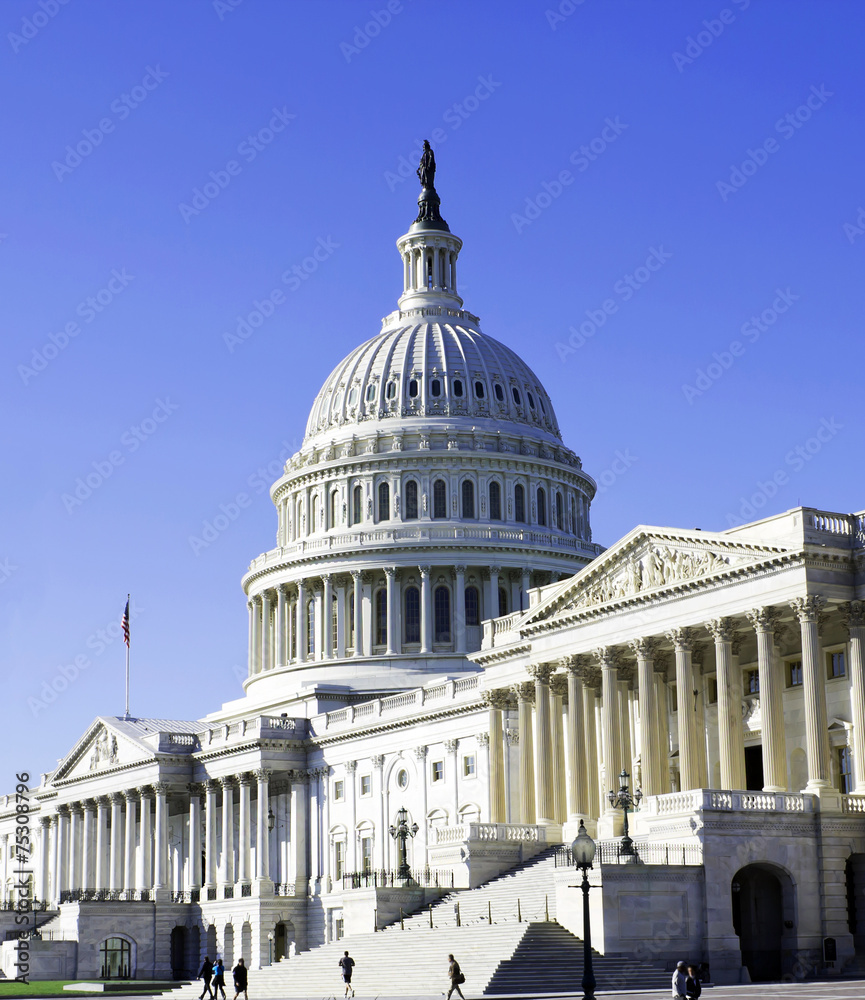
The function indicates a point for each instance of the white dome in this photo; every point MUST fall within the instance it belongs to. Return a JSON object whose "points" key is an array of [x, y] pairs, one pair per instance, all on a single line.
{"points": [[430, 369]]}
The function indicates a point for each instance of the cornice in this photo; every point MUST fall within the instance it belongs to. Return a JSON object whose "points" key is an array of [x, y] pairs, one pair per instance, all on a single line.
{"points": [[355, 733]]}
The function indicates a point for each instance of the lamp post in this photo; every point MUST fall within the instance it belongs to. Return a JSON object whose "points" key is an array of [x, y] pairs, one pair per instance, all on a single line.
{"points": [[270, 947], [583, 852], [624, 800], [400, 833]]}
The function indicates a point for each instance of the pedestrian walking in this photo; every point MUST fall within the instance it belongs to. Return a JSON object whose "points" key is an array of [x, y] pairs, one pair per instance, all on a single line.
{"points": [[218, 978], [346, 963], [240, 977], [693, 989], [206, 973], [680, 981], [456, 976]]}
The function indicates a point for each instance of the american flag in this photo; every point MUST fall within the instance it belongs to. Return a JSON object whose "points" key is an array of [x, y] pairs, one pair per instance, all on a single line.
{"points": [[125, 624]]}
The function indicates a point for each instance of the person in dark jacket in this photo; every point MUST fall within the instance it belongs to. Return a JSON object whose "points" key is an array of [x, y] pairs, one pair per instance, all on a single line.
{"points": [[456, 977], [346, 963], [239, 973], [206, 974], [218, 978], [693, 989]]}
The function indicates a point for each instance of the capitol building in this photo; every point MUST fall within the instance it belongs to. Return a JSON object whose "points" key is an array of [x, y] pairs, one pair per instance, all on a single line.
{"points": [[446, 676]]}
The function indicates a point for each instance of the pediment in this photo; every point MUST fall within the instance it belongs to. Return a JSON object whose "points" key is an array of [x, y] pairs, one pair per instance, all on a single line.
{"points": [[102, 748], [650, 560]]}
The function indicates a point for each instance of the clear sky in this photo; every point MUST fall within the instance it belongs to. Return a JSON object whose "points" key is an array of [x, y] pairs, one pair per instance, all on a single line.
{"points": [[689, 290]]}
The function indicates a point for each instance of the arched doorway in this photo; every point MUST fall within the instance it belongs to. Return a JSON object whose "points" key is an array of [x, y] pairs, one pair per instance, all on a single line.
{"points": [[228, 946], [758, 918], [283, 939], [115, 959], [178, 952], [211, 942], [855, 877]]}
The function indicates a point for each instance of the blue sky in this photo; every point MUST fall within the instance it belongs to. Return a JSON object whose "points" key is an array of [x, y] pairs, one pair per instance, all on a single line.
{"points": [[662, 209]]}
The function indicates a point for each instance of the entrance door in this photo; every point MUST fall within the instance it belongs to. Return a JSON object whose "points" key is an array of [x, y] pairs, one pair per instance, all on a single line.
{"points": [[754, 768], [279, 945], [115, 956], [758, 920], [178, 952]]}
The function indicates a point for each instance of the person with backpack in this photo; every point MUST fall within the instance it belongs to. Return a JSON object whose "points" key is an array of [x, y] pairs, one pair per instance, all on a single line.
{"points": [[240, 978], [206, 974], [218, 978], [456, 976], [346, 963]]}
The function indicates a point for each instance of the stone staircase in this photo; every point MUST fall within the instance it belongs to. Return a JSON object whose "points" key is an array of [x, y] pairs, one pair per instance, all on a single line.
{"points": [[508, 956]]}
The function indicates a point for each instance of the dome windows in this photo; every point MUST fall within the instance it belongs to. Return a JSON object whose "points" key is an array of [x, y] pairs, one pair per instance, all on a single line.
{"points": [[435, 387], [500, 392], [356, 505], [352, 396], [515, 392], [542, 507], [519, 503], [440, 499], [411, 500], [531, 400], [383, 502], [479, 389], [370, 392], [458, 387], [468, 498], [495, 502], [390, 391], [413, 388]]}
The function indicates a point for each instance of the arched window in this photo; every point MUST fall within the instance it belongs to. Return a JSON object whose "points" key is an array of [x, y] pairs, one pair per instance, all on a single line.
{"points": [[519, 503], [495, 502], [542, 506], [442, 604], [381, 617], [310, 629], [334, 507], [531, 400], [316, 514], [334, 631], [357, 505], [458, 387], [560, 511], [115, 954], [383, 502], [503, 601], [500, 392], [412, 615], [479, 389], [411, 500], [435, 387], [412, 387], [370, 392], [440, 499], [515, 392], [473, 606], [390, 391], [351, 634], [468, 494]]}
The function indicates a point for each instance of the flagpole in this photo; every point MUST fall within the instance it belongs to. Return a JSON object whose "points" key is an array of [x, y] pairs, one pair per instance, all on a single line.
{"points": [[126, 716]]}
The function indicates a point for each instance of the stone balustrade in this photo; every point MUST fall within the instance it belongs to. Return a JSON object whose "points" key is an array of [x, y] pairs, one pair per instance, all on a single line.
{"points": [[714, 800]]}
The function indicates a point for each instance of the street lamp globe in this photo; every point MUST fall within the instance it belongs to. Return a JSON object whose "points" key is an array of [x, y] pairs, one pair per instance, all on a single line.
{"points": [[583, 848]]}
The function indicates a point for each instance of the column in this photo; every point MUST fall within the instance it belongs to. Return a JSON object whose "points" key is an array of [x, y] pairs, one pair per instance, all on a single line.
{"points": [[131, 796], [697, 654], [62, 850], [281, 622], [262, 844], [624, 685], [358, 608], [251, 607], [612, 745], [256, 634], [210, 845], [662, 706], [771, 705], [497, 702], [194, 867], [318, 624], [577, 779], [340, 620], [100, 881], [525, 694], [451, 748], [460, 621], [44, 859], [244, 828], [227, 874], [327, 617], [689, 772], [291, 622], [300, 622], [75, 821], [160, 837], [526, 586], [87, 873], [591, 678], [144, 879], [299, 824], [390, 573], [853, 617], [544, 752], [731, 738], [115, 856], [558, 699], [494, 592], [814, 688], [644, 650], [266, 632], [426, 618]]}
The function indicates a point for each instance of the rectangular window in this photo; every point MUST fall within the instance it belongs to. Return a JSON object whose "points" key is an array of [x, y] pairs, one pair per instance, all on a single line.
{"points": [[338, 791], [836, 665], [845, 771], [338, 858], [438, 770], [366, 854], [366, 784], [339, 928], [794, 673], [469, 765], [752, 682]]}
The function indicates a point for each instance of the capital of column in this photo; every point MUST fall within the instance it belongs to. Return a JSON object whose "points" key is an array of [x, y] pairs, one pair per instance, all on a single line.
{"points": [[808, 609], [282, 588], [45, 822], [763, 619], [451, 746], [541, 671], [264, 773], [256, 600], [350, 766], [497, 698], [644, 649], [378, 760], [298, 777], [483, 739], [77, 809], [425, 571], [721, 629], [117, 798], [606, 657], [227, 781], [421, 752], [513, 737], [195, 788], [244, 778], [853, 614], [681, 638], [211, 785], [559, 685], [131, 795], [327, 578], [460, 570], [524, 691]]}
